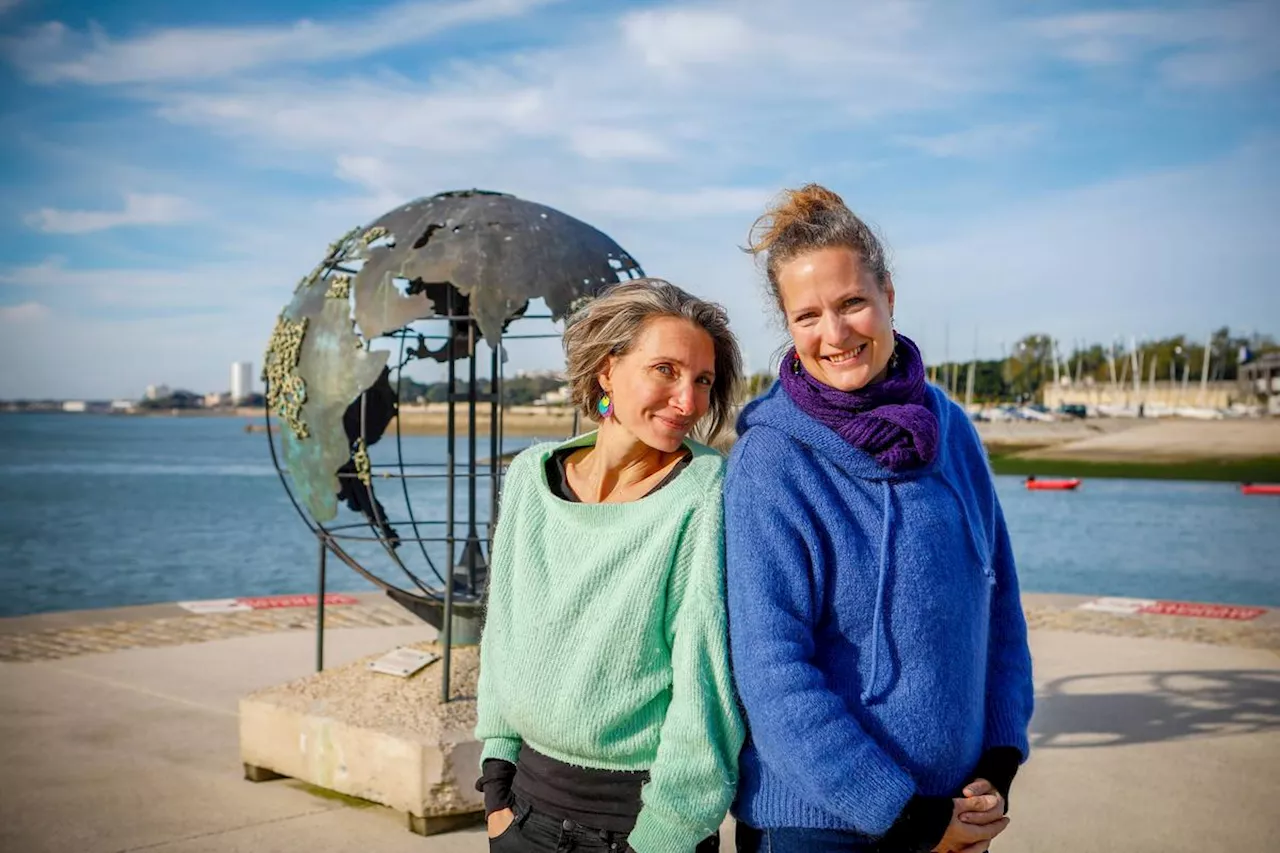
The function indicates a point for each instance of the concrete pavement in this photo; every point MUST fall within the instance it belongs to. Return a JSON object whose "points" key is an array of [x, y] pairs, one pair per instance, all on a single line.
{"points": [[1141, 745]]}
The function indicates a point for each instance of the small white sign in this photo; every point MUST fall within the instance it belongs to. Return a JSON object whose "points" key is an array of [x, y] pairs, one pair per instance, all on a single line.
{"points": [[1127, 606], [217, 605], [403, 662]]}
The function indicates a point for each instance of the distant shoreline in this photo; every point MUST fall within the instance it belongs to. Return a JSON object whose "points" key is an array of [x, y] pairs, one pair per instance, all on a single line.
{"points": [[1245, 450]]}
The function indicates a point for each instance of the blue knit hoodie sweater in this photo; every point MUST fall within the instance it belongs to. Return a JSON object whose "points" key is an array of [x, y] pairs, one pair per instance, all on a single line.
{"points": [[876, 632]]}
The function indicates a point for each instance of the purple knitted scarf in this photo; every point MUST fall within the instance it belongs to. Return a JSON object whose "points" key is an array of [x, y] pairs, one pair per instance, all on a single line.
{"points": [[889, 419]]}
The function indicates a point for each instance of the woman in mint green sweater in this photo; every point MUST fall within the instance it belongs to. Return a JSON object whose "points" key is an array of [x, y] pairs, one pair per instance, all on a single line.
{"points": [[606, 704]]}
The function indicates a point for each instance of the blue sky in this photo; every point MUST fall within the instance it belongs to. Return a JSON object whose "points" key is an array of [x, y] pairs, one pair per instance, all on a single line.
{"points": [[1086, 170]]}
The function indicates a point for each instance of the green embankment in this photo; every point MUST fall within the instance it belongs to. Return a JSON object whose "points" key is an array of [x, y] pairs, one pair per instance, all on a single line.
{"points": [[1259, 470]]}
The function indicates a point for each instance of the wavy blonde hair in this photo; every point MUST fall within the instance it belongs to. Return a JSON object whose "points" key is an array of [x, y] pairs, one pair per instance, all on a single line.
{"points": [[609, 324]]}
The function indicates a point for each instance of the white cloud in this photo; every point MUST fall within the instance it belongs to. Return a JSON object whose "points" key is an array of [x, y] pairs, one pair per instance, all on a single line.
{"points": [[1200, 47], [1211, 69], [139, 209], [24, 312], [363, 115], [704, 87], [642, 203], [194, 287], [615, 143], [55, 53], [674, 38], [977, 142]]}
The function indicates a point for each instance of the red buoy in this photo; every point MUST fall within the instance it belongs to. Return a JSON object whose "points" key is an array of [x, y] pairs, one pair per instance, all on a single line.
{"points": [[1037, 485], [1260, 488]]}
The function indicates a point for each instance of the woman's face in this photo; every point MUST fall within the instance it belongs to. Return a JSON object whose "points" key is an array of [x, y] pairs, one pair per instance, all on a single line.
{"points": [[661, 387], [839, 317]]}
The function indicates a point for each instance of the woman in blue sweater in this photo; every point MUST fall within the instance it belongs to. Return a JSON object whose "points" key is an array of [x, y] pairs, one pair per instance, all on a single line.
{"points": [[877, 637]]}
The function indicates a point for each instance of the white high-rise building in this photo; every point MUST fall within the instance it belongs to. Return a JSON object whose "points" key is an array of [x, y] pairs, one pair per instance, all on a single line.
{"points": [[241, 381]]}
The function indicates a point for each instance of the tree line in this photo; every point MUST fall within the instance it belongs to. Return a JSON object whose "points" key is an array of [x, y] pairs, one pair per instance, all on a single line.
{"points": [[1029, 365], [516, 391]]}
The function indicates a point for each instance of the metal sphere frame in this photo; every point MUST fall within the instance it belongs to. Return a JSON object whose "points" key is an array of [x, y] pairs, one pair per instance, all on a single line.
{"points": [[438, 602]]}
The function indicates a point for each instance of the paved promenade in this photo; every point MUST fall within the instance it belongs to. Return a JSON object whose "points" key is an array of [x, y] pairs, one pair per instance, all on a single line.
{"points": [[118, 733]]}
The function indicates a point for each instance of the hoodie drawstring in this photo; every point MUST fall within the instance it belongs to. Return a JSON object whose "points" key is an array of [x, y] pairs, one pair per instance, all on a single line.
{"points": [[879, 634], [984, 559]]}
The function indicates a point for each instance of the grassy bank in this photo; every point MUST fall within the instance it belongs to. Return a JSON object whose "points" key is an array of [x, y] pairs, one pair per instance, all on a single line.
{"points": [[1259, 470]]}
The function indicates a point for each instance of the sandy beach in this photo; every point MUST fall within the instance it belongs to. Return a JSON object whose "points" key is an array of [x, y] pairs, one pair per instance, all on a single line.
{"points": [[1165, 440]]}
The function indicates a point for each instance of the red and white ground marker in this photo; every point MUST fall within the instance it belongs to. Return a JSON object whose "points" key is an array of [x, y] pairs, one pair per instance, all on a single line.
{"points": [[216, 605], [1129, 606], [265, 602]]}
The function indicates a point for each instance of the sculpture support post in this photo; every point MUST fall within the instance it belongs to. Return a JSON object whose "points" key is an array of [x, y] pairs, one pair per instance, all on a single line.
{"points": [[471, 553], [447, 620], [495, 446], [324, 553]]}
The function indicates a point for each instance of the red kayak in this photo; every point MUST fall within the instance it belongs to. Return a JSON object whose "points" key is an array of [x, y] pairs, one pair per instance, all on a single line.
{"points": [[1052, 485], [1260, 488]]}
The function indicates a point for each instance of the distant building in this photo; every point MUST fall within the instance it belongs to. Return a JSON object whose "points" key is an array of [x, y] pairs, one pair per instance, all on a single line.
{"points": [[214, 399], [540, 374], [75, 406], [122, 405], [1260, 378], [241, 381], [559, 397], [157, 392]]}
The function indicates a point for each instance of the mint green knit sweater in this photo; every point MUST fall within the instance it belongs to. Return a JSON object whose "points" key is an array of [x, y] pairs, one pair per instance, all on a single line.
{"points": [[605, 643]]}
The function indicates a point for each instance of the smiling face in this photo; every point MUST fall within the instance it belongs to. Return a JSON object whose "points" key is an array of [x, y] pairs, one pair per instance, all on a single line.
{"points": [[661, 387], [839, 317]]}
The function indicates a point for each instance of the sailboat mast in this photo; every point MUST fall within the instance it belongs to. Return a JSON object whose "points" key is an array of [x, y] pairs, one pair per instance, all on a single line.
{"points": [[1204, 371], [968, 390]]}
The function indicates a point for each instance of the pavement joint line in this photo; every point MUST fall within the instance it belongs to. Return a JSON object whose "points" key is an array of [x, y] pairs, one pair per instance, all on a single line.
{"points": [[54, 643], [133, 688], [29, 639], [159, 844]]}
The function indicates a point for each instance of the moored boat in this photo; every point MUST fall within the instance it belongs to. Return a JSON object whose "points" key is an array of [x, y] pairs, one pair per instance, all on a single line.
{"points": [[1260, 488], [1038, 485]]}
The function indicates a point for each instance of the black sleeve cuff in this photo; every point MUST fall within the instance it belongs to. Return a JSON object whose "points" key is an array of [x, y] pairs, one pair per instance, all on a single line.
{"points": [[998, 765], [920, 826], [495, 782]]}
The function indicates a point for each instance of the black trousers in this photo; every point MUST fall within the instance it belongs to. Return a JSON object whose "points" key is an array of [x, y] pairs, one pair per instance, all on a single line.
{"points": [[538, 832]]}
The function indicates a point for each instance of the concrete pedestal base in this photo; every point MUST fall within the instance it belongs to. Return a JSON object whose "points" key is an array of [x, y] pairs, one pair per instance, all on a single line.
{"points": [[378, 737]]}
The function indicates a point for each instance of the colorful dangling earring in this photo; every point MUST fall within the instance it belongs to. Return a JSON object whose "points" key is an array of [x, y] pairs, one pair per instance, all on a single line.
{"points": [[604, 406]]}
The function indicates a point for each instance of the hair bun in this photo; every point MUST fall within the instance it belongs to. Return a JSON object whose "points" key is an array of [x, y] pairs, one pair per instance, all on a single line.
{"points": [[797, 209], [810, 199], [810, 218]]}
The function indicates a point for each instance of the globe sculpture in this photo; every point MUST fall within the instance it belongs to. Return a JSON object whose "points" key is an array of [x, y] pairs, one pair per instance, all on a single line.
{"points": [[427, 281]]}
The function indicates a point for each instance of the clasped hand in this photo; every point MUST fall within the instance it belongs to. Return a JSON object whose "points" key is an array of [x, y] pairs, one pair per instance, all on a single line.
{"points": [[976, 818]]}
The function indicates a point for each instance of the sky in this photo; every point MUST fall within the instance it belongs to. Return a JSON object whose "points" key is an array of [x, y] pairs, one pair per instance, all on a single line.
{"points": [[1091, 171]]}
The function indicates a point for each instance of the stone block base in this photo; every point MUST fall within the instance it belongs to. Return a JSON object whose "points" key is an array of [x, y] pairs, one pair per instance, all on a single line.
{"points": [[373, 736]]}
